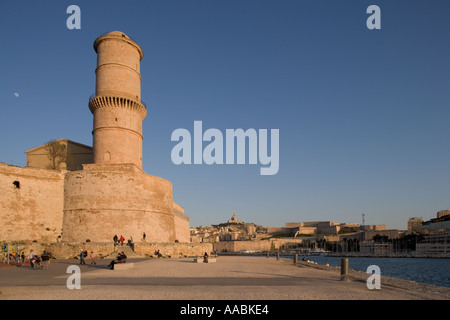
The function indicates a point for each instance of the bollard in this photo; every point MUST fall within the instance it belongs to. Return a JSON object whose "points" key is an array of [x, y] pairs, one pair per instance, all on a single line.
{"points": [[295, 258], [344, 268], [267, 254], [278, 256]]}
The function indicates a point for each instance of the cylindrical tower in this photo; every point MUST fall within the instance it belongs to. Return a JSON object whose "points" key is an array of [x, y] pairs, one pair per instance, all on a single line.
{"points": [[116, 106], [114, 195]]}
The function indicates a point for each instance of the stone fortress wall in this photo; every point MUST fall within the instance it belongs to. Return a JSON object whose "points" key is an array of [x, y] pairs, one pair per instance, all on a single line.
{"points": [[100, 203], [65, 250], [31, 203], [95, 204]]}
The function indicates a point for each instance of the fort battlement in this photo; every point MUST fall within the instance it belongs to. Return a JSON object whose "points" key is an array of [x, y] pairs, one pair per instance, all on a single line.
{"points": [[117, 102]]}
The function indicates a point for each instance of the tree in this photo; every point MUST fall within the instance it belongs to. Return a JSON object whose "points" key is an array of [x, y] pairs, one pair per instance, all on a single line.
{"points": [[56, 153], [380, 239]]}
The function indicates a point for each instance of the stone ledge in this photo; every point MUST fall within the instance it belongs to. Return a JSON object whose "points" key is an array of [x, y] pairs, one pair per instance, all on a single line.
{"points": [[131, 167], [200, 260], [123, 266]]}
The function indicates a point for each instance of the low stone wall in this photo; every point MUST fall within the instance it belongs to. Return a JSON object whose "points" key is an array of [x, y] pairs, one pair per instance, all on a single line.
{"points": [[67, 250], [102, 249], [173, 249], [256, 245]]}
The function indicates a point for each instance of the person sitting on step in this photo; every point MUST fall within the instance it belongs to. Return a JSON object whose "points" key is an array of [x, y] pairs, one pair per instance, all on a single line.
{"points": [[121, 258]]}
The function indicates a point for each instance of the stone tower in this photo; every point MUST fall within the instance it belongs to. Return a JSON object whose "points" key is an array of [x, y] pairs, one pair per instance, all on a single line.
{"points": [[117, 107], [114, 195]]}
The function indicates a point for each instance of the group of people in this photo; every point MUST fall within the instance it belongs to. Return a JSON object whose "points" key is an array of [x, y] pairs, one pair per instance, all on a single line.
{"points": [[16, 258], [42, 261], [36, 261], [121, 258], [39, 262], [121, 240], [84, 254]]}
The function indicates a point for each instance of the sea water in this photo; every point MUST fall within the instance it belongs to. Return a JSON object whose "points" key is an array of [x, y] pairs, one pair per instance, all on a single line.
{"points": [[424, 270]]}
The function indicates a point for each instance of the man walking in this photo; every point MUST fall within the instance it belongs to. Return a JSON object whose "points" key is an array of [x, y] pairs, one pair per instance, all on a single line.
{"points": [[82, 255], [45, 257]]}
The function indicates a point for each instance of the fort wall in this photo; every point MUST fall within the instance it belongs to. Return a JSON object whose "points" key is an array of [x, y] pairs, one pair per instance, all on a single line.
{"points": [[105, 249], [99, 204], [181, 221], [173, 249], [261, 245], [32, 203]]}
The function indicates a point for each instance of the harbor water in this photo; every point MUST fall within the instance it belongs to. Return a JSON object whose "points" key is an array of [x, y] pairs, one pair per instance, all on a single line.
{"points": [[424, 270]]}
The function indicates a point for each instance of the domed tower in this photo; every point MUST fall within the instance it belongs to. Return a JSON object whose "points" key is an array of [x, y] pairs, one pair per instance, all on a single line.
{"points": [[117, 107]]}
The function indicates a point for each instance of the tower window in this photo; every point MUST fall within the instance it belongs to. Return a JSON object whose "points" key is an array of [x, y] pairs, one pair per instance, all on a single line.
{"points": [[107, 156], [16, 184]]}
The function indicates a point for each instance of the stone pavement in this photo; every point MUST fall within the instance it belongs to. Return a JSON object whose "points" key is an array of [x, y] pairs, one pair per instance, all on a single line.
{"points": [[230, 278]]}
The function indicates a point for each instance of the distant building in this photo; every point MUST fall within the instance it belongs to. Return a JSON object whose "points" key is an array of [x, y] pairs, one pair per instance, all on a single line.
{"points": [[234, 220], [374, 227], [373, 248], [232, 230], [436, 225], [442, 213], [390, 234], [414, 224], [321, 227], [434, 243], [74, 155], [314, 227]]}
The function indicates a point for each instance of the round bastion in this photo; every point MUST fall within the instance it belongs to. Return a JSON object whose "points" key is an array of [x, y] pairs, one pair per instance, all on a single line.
{"points": [[99, 204]]}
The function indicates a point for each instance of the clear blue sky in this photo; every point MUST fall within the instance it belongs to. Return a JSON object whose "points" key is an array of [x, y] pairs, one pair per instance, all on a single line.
{"points": [[363, 114]]}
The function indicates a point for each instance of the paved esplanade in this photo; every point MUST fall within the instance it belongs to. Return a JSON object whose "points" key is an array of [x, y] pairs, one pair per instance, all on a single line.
{"points": [[231, 277]]}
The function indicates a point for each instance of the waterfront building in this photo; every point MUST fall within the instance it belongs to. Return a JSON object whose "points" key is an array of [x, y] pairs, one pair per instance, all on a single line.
{"points": [[434, 243], [443, 213], [373, 248], [439, 224], [414, 224]]}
